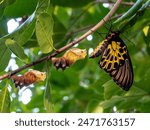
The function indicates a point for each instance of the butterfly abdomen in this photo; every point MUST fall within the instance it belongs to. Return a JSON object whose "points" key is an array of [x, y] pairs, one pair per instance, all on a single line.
{"points": [[99, 49]]}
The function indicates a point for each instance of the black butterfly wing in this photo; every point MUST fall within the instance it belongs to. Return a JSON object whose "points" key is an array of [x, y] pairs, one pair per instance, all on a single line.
{"points": [[115, 60], [123, 76]]}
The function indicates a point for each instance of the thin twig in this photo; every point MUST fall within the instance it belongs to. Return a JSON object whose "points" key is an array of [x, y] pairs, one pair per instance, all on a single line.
{"points": [[79, 30], [89, 26], [112, 2], [116, 16], [106, 18]]}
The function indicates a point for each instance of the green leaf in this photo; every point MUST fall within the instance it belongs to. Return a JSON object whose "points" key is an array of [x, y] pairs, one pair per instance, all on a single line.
{"points": [[59, 33], [20, 8], [92, 105], [62, 15], [70, 3], [5, 55], [80, 64], [43, 6], [3, 27], [1, 11], [47, 95], [23, 33], [4, 100], [16, 49], [111, 102], [26, 32], [111, 89], [44, 32], [3, 5]]}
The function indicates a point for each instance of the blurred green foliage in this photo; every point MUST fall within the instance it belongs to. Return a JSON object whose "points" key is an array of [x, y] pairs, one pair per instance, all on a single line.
{"points": [[83, 87]]}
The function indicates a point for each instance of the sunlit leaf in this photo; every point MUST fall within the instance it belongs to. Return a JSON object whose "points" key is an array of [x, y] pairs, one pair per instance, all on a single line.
{"points": [[44, 32], [16, 49]]}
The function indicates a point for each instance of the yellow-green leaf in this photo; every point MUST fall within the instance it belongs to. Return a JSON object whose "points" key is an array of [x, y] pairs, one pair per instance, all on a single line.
{"points": [[16, 49], [4, 100]]}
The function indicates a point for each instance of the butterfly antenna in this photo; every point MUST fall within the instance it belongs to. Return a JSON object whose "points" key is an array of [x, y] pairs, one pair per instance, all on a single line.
{"points": [[100, 34], [109, 24], [105, 24]]}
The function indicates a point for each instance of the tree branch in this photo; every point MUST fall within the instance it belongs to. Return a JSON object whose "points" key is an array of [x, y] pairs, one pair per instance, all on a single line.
{"points": [[93, 29]]}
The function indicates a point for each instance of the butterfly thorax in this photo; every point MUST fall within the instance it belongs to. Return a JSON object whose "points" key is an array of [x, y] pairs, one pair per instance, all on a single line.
{"points": [[113, 36]]}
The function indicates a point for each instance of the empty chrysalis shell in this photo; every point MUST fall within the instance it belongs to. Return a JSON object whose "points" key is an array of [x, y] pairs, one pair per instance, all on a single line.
{"points": [[28, 78], [70, 57]]}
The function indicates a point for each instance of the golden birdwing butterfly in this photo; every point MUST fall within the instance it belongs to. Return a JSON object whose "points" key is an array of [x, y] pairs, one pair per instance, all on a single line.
{"points": [[115, 60]]}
